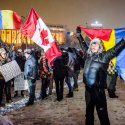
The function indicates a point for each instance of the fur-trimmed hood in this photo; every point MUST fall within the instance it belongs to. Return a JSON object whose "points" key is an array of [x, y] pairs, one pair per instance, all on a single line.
{"points": [[97, 41]]}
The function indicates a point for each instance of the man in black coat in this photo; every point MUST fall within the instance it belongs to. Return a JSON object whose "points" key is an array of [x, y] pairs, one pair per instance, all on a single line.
{"points": [[59, 73], [94, 77]]}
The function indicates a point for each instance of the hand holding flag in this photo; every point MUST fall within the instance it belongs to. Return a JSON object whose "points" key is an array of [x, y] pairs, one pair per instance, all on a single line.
{"points": [[37, 30], [110, 37]]}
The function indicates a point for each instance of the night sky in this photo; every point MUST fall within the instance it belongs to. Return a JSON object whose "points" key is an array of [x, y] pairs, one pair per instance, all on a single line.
{"points": [[111, 13]]}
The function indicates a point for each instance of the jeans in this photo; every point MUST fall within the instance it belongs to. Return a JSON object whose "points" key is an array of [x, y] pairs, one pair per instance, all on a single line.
{"points": [[68, 81], [75, 78], [31, 90], [71, 74]]}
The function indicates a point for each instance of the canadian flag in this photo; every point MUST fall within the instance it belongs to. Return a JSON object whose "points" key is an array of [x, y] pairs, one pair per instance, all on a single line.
{"points": [[36, 30]]}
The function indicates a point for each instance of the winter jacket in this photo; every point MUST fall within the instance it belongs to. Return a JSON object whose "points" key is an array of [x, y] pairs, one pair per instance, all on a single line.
{"points": [[96, 64], [21, 62], [59, 69], [30, 70], [44, 67]]}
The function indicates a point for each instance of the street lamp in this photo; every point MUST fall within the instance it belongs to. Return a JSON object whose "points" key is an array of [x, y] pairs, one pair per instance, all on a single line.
{"points": [[96, 24]]}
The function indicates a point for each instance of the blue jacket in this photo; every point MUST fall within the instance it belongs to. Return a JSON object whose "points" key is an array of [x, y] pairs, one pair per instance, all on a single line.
{"points": [[30, 70]]}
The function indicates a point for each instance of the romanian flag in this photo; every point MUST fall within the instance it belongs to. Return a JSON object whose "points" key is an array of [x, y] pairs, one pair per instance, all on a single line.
{"points": [[9, 20], [70, 33], [110, 37]]}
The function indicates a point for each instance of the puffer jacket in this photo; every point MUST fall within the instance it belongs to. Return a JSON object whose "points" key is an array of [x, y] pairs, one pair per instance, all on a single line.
{"points": [[30, 70], [95, 68]]}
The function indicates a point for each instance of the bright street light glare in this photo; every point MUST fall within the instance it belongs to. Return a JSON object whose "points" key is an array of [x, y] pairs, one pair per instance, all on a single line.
{"points": [[96, 24]]}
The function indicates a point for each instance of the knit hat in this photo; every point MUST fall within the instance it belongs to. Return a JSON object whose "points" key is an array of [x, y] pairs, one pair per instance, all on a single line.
{"points": [[2, 50], [28, 51], [19, 50]]}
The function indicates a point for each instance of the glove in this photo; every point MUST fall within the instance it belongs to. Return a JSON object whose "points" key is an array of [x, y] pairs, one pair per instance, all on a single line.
{"points": [[78, 30], [33, 80]]}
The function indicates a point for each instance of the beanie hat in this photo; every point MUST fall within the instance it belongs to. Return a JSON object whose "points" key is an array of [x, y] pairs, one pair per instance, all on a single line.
{"points": [[19, 50], [2, 50], [28, 51]]}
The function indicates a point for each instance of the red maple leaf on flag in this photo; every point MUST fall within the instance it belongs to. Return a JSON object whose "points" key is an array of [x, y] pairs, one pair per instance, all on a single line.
{"points": [[36, 30], [44, 35]]}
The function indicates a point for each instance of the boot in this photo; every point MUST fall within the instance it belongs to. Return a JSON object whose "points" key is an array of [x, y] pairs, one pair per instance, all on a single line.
{"points": [[69, 95], [75, 89], [59, 99], [16, 94], [31, 96], [22, 93], [2, 104], [29, 103], [112, 94]]}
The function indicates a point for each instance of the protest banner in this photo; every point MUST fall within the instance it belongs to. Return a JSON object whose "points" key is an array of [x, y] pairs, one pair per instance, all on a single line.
{"points": [[10, 70], [20, 83]]}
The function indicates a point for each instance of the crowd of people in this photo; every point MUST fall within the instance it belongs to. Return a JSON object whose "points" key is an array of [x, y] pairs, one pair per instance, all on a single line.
{"points": [[34, 66], [66, 68]]}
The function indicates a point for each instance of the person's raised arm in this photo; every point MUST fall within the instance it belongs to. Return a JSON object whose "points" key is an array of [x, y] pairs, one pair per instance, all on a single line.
{"points": [[115, 50], [82, 43]]}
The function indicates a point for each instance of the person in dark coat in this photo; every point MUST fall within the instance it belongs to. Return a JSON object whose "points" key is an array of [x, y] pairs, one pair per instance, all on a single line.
{"points": [[21, 62], [59, 73], [94, 77], [5, 87]]}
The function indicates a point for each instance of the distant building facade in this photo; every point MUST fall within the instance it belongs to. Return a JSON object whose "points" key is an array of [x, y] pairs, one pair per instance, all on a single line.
{"points": [[12, 36], [58, 33]]}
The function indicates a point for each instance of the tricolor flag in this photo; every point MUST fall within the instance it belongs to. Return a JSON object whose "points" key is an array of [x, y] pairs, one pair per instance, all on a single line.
{"points": [[110, 37], [70, 33], [36, 29], [9, 20]]}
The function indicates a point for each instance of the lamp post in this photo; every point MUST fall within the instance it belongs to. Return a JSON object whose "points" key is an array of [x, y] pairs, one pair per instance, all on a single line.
{"points": [[96, 24]]}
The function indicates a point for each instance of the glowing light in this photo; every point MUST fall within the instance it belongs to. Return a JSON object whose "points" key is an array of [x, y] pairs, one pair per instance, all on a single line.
{"points": [[96, 24]]}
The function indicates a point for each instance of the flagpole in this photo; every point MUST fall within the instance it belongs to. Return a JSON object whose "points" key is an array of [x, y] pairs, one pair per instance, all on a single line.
{"points": [[15, 37], [22, 20]]}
